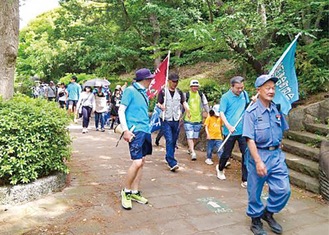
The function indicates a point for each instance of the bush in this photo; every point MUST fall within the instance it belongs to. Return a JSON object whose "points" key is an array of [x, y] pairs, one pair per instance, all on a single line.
{"points": [[34, 141]]}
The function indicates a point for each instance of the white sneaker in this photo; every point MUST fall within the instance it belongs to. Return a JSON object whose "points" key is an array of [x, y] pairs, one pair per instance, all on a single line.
{"points": [[193, 156], [244, 184], [208, 161], [227, 164], [84, 130], [220, 174]]}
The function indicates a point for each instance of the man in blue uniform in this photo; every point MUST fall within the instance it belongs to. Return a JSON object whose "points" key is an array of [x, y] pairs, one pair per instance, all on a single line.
{"points": [[263, 128]]}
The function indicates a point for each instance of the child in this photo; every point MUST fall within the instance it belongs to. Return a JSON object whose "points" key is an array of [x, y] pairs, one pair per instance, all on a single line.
{"points": [[213, 127]]}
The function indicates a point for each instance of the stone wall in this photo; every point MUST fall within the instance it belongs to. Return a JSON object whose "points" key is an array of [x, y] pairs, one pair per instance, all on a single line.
{"points": [[21, 193], [313, 113]]}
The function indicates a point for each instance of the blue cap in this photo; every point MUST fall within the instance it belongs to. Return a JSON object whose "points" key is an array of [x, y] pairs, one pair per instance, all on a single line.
{"points": [[263, 79], [143, 74]]}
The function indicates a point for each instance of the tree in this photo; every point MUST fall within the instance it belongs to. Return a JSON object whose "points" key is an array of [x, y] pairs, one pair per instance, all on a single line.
{"points": [[9, 31]]}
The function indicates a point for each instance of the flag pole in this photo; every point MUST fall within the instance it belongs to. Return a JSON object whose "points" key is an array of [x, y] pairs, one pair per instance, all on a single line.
{"points": [[284, 54], [236, 124], [166, 83]]}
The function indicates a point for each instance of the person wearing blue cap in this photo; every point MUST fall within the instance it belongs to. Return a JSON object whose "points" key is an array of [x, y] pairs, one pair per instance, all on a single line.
{"points": [[263, 127], [134, 121]]}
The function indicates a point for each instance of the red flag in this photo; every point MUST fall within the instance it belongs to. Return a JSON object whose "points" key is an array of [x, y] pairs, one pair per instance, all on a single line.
{"points": [[159, 80]]}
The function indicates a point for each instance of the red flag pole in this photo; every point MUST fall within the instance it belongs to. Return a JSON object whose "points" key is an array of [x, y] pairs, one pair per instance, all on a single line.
{"points": [[166, 84]]}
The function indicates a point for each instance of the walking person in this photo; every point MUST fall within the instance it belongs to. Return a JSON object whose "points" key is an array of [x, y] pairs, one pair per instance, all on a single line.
{"points": [[115, 103], [73, 95], [51, 91], [170, 100], [197, 102], [62, 94], [86, 105], [134, 119], [213, 127], [232, 106], [101, 107], [263, 128]]}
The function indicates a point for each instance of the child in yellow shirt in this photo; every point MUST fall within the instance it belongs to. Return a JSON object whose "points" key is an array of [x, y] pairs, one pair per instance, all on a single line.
{"points": [[213, 127]]}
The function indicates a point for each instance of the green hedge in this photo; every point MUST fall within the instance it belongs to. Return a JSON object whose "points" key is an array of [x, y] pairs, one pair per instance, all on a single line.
{"points": [[34, 140]]}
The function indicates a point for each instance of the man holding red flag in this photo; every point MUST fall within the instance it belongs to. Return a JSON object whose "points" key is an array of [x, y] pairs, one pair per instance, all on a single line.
{"points": [[171, 100]]}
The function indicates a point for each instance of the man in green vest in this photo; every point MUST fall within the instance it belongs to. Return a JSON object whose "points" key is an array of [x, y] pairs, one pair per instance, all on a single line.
{"points": [[197, 102]]}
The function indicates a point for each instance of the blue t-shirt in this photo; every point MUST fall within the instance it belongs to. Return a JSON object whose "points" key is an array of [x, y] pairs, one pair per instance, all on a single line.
{"points": [[264, 125], [136, 100], [233, 107], [74, 91]]}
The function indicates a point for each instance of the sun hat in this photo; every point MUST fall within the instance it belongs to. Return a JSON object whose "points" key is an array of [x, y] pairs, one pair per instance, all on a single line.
{"points": [[143, 74], [216, 109], [194, 83], [263, 79]]}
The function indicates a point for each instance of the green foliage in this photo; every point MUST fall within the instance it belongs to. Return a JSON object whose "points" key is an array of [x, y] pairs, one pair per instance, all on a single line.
{"points": [[312, 66], [34, 141], [106, 37]]}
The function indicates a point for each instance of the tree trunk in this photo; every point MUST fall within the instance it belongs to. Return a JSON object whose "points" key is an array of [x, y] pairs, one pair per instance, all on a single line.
{"points": [[256, 65], [9, 31]]}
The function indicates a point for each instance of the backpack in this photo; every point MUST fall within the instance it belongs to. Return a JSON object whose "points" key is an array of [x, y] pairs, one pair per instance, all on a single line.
{"points": [[188, 95]]}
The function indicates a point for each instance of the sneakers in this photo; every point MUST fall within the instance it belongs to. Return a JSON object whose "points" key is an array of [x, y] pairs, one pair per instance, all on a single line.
{"points": [[137, 197], [244, 184], [126, 200], [84, 130], [208, 161], [97, 129], [102, 130], [227, 164], [174, 168], [257, 227], [220, 174], [275, 226], [193, 156]]}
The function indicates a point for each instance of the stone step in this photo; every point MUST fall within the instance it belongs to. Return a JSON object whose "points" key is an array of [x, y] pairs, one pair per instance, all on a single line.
{"points": [[304, 181], [320, 129], [305, 137], [301, 150], [296, 178], [302, 165]]}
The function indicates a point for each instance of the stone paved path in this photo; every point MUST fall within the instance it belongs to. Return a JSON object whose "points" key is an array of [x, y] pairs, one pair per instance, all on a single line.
{"points": [[190, 201]]}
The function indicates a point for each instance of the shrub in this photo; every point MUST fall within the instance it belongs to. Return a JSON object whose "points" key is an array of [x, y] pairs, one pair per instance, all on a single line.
{"points": [[34, 141]]}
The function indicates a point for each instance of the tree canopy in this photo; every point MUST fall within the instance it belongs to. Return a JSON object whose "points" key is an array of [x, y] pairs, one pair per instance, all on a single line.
{"points": [[105, 37]]}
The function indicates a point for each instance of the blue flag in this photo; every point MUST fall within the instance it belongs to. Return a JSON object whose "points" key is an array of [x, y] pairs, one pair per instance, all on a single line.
{"points": [[155, 122], [286, 91]]}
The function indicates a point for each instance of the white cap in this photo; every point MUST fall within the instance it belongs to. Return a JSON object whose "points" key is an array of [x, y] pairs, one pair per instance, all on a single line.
{"points": [[194, 83], [216, 109], [118, 87]]}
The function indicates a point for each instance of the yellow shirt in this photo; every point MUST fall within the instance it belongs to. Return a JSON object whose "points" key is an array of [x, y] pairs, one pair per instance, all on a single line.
{"points": [[214, 125]]}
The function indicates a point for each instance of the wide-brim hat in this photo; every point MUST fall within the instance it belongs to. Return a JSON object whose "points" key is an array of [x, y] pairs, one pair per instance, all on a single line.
{"points": [[262, 79], [143, 74]]}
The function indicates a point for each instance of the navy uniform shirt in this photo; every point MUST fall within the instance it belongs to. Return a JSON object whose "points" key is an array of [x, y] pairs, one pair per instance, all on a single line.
{"points": [[264, 125]]}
